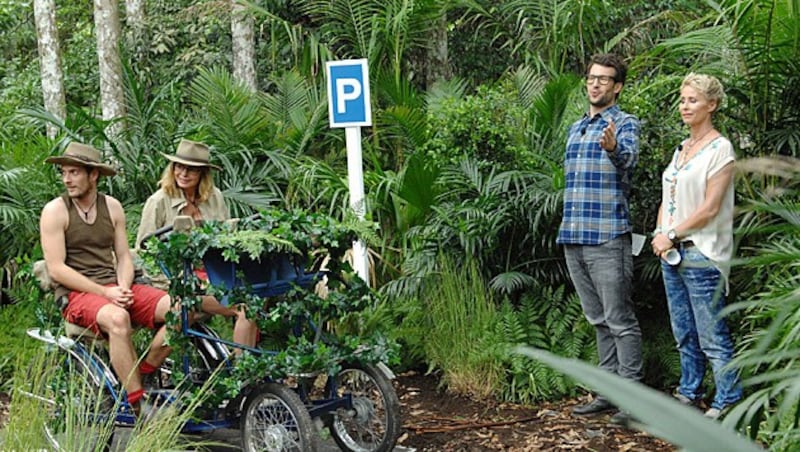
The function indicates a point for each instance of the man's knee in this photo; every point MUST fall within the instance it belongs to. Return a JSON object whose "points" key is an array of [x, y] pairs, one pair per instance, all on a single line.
{"points": [[629, 327], [163, 305], [116, 322]]}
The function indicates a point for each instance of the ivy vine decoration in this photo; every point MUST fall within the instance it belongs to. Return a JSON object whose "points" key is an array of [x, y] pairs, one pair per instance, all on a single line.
{"points": [[328, 330]]}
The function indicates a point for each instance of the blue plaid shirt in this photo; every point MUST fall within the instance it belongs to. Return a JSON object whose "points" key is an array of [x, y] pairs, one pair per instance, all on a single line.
{"points": [[598, 182]]}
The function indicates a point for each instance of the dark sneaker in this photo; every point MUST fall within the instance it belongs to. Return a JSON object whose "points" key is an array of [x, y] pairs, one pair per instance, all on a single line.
{"points": [[596, 406], [151, 381]]}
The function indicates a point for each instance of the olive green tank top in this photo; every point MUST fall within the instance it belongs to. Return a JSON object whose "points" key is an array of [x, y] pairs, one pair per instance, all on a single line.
{"points": [[89, 247]]}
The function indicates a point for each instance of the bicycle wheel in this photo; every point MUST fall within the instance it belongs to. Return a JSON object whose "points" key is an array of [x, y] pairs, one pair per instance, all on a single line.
{"points": [[77, 412], [373, 424], [275, 419]]}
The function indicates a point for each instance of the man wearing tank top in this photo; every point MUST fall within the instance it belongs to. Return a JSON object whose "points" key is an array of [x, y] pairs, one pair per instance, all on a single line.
{"points": [[86, 250]]}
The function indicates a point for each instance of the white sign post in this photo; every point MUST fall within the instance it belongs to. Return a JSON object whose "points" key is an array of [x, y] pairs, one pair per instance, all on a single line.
{"points": [[349, 108]]}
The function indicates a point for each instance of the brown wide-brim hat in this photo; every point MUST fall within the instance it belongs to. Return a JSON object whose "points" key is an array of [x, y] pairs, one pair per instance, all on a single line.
{"points": [[192, 153], [83, 155]]}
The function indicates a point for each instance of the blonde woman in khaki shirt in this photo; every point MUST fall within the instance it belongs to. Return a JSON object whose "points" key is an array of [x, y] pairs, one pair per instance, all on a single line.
{"points": [[187, 188]]}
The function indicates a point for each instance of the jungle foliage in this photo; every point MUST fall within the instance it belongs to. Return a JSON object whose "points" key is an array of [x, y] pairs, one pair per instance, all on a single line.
{"points": [[463, 175]]}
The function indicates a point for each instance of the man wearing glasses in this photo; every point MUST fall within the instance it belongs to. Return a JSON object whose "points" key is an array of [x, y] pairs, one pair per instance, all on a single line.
{"points": [[602, 150]]}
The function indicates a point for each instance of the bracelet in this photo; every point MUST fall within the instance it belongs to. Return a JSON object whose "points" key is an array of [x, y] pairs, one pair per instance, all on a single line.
{"points": [[657, 231]]}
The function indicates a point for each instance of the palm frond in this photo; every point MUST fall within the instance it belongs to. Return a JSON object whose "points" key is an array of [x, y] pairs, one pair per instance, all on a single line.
{"points": [[229, 114], [317, 185], [443, 90], [509, 282]]}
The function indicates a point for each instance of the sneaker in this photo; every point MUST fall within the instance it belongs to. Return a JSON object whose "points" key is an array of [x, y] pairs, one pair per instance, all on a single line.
{"points": [[684, 400], [716, 413], [596, 406], [151, 381]]}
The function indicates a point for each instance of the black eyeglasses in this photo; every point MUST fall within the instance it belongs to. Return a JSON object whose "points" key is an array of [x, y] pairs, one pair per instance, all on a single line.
{"points": [[601, 79]]}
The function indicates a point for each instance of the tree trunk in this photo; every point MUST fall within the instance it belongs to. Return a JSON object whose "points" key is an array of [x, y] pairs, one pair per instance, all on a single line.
{"points": [[134, 19], [44, 12], [107, 30], [243, 40], [134, 14], [438, 67]]}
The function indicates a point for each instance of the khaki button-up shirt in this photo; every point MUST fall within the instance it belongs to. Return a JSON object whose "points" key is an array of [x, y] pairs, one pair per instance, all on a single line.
{"points": [[161, 209]]}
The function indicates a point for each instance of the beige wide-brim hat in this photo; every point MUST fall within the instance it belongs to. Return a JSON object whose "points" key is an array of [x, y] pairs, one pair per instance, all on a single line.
{"points": [[192, 153], [83, 155]]}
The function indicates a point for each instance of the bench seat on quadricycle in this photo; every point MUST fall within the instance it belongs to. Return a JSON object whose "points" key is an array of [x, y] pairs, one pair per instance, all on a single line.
{"points": [[271, 275], [358, 404]]}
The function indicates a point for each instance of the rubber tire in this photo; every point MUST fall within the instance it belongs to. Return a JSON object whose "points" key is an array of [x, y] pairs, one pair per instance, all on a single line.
{"points": [[382, 408], [287, 408]]}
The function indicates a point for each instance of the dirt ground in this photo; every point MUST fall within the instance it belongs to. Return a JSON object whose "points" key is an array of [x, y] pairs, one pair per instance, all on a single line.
{"points": [[436, 421]]}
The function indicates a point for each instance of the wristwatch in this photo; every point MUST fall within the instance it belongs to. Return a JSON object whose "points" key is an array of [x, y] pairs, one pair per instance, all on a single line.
{"points": [[672, 236]]}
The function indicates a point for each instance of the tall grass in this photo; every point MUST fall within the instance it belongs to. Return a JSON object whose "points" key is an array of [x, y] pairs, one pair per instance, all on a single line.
{"points": [[69, 411], [13, 320], [80, 424], [460, 314]]}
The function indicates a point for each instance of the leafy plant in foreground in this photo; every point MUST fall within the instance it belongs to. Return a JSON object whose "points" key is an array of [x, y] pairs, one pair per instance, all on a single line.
{"points": [[652, 410], [768, 353]]}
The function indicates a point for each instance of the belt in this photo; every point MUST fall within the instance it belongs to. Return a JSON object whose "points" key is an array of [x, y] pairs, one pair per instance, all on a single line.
{"points": [[685, 244]]}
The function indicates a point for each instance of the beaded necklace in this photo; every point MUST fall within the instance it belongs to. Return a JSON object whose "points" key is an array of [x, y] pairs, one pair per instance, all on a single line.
{"points": [[677, 167]]}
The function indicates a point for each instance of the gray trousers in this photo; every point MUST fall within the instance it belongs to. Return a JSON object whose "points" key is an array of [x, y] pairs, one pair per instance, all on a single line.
{"points": [[602, 277]]}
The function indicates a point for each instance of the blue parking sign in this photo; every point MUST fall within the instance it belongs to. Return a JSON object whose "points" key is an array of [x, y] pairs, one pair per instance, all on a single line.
{"points": [[348, 93]]}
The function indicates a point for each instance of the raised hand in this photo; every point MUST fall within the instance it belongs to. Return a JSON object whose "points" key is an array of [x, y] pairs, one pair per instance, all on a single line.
{"points": [[608, 140]]}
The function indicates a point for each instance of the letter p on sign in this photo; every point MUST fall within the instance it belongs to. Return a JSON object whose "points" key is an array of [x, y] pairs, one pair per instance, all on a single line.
{"points": [[346, 89], [348, 93]]}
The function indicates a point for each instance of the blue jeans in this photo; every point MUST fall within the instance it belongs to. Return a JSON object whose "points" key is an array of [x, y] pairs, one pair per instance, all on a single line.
{"points": [[602, 277], [695, 297]]}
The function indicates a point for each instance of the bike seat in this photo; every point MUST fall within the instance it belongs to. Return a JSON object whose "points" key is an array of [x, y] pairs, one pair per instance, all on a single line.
{"points": [[74, 331]]}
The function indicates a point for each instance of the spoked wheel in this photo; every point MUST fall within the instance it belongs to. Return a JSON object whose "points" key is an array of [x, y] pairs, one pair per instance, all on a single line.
{"points": [[77, 411], [275, 419], [373, 424]]}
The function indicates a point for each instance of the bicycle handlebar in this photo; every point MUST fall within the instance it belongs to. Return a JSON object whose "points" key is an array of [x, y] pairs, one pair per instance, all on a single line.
{"points": [[157, 233], [180, 223]]}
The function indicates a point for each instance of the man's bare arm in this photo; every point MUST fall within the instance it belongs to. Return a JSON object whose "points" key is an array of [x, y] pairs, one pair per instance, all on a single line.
{"points": [[121, 249]]}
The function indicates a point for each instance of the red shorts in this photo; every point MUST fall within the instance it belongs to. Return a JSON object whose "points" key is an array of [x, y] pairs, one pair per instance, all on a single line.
{"points": [[83, 307]]}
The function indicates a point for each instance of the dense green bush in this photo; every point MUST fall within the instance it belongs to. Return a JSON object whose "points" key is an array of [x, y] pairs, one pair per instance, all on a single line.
{"points": [[31, 307], [485, 126]]}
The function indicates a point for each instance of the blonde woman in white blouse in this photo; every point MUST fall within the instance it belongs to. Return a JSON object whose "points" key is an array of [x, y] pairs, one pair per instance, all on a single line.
{"points": [[696, 220]]}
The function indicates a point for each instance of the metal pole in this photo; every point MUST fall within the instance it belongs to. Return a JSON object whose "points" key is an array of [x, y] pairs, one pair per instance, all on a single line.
{"points": [[355, 178]]}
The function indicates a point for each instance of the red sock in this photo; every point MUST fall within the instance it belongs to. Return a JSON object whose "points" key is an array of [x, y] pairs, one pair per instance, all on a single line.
{"points": [[146, 368], [135, 396]]}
